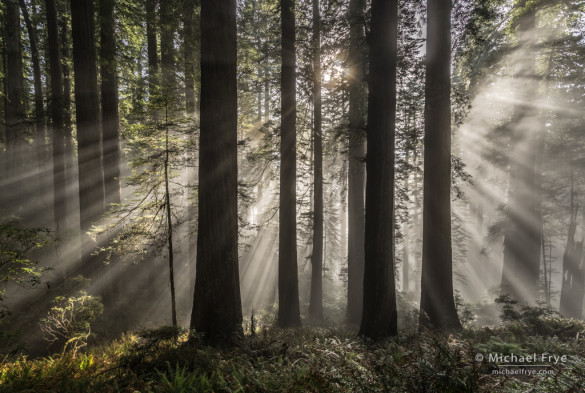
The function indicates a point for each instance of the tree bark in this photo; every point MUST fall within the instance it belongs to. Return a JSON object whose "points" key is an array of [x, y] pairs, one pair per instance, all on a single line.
{"points": [[217, 310], [316, 302], [39, 112], [67, 121], [188, 54], [288, 286], [109, 90], [437, 300], [379, 317], [91, 177], [356, 171], [57, 117], [14, 85]]}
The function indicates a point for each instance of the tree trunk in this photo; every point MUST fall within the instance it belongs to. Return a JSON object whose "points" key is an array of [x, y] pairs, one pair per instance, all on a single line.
{"points": [[91, 177], [151, 47], [14, 85], [266, 96], [520, 274], [57, 117], [41, 134], [573, 275], [110, 117], [170, 227], [217, 309], [316, 303], [437, 300], [406, 237], [356, 171], [67, 123], [189, 53], [288, 285], [379, 317]]}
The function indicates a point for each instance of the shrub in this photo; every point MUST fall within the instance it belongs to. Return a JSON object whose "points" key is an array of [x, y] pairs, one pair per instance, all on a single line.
{"points": [[69, 320]]}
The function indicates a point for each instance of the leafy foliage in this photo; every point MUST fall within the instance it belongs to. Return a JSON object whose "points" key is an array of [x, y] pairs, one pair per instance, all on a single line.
{"points": [[301, 360], [17, 243], [69, 321]]}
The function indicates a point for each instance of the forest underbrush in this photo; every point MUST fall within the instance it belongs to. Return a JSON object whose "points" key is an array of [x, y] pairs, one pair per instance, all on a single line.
{"points": [[537, 353]]}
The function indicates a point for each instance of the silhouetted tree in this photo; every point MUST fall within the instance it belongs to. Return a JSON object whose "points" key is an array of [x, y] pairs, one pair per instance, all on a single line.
{"points": [[13, 82], [217, 310], [39, 111], [316, 304], [109, 91], [437, 301], [57, 116], [91, 177], [288, 286], [379, 317], [356, 165], [65, 57]]}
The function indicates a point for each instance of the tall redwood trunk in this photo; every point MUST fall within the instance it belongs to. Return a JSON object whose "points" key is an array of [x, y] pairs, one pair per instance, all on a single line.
{"points": [[109, 90], [379, 317], [217, 310], [437, 301], [288, 285], [39, 112], [57, 116], [316, 303], [356, 166], [89, 161], [14, 85]]}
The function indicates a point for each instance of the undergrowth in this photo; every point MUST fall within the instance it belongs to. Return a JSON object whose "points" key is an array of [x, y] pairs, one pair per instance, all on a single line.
{"points": [[309, 360]]}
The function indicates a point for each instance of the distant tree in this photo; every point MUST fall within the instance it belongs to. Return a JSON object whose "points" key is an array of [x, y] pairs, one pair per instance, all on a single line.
{"points": [[522, 240], [109, 93], [57, 116], [288, 286], [573, 273], [356, 165], [217, 309], [91, 176], [316, 304], [437, 300], [14, 85], [379, 317]]}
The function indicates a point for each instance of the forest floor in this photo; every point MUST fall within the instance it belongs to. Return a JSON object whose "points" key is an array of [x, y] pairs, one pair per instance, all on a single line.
{"points": [[318, 359]]}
